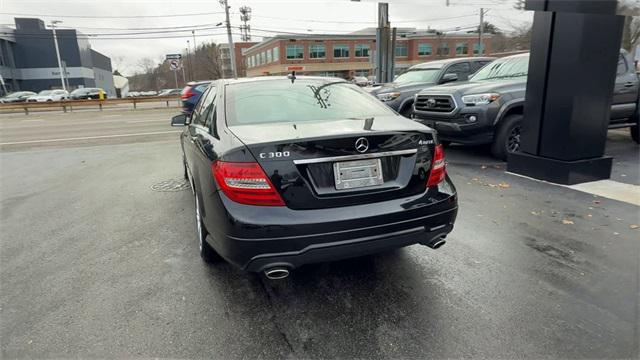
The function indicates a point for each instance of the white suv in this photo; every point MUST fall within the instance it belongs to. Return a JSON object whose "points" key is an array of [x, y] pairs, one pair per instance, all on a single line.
{"points": [[49, 95]]}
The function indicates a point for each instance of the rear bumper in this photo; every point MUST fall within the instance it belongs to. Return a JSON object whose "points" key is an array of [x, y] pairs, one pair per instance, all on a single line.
{"points": [[255, 238]]}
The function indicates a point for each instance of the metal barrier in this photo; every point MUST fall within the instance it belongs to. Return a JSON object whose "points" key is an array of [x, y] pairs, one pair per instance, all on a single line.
{"points": [[67, 105]]}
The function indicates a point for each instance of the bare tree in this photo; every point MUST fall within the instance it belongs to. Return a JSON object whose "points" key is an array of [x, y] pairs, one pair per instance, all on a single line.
{"points": [[631, 32]]}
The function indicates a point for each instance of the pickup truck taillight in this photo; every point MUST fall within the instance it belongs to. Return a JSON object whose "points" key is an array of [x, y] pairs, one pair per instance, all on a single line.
{"points": [[438, 167], [245, 183]]}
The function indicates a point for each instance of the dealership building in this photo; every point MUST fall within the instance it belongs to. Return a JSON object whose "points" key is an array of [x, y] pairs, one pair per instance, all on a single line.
{"points": [[346, 55], [28, 59]]}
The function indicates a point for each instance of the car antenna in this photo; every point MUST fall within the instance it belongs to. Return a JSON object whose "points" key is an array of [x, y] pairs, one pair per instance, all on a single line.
{"points": [[292, 76]]}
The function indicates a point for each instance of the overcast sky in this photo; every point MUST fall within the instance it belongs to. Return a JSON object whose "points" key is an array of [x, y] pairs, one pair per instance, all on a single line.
{"points": [[102, 18]]}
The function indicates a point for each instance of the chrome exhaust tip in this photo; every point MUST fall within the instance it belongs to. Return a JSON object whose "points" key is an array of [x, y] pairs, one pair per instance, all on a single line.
{"points": [[276, 273], [437, 242]]}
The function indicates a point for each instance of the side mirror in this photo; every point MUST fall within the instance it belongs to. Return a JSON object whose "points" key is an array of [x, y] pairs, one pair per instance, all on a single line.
{"points": [[450, 77], [179, 120]]}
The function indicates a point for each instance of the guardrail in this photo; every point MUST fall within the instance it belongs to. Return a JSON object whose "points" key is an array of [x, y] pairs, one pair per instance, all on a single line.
{"points": [[67, 105]]}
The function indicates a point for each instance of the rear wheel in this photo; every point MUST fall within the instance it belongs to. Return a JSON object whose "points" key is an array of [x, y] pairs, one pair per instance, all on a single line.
{"points": [[507, 139], [206, 252]]}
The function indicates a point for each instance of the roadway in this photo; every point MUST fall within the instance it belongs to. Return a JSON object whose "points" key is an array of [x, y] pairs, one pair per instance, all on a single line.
{"points": [[96, 263]]}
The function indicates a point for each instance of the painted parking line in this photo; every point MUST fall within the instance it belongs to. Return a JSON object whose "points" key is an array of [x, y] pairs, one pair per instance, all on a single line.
{"points": [[88, 138], [610, 189]]}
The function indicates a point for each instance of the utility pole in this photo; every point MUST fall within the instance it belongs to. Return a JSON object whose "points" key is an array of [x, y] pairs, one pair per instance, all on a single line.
{"points": [[232, 52], [245, 16], [195, 47], [189, 60], [480, 32], [55, 41], [382, 41]]}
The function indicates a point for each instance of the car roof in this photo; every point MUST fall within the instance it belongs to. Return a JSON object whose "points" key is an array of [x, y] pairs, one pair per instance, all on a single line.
{"points": [[280, 78], [428, 64]]}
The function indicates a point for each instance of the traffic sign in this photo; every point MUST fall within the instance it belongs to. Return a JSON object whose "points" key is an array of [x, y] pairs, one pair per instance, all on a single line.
{"points": [[295, 68], [173, 57], [174, 65]]}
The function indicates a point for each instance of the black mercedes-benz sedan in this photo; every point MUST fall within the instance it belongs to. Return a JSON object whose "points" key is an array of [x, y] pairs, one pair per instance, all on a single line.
{"points": [[294, 170]]}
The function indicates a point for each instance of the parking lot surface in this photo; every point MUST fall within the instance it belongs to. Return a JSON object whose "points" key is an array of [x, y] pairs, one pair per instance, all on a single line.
{"points": [[98, 258]]}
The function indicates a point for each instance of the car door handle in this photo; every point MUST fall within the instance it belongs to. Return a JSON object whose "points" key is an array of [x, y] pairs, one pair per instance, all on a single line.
{"points": [[629, 84]]}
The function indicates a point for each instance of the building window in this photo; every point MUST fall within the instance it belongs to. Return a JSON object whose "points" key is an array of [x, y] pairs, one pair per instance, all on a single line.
{"points": [[462, 49], [443, 49], [362, 72], [340, 51], [424, 49], [269, 58], [276, 54], [295, 52], [362, 50], [402, 50], [263, 58], [317, 51], [476, 48]]}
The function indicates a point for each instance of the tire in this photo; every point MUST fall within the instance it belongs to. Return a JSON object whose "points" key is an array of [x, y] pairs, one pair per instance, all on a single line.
{"points": [[635, 132], [184, 167], [407, 111], [507, 138], [206, 252]]}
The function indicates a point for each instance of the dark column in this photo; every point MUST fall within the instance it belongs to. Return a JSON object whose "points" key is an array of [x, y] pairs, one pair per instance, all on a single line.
{"points": [[569, 91]]}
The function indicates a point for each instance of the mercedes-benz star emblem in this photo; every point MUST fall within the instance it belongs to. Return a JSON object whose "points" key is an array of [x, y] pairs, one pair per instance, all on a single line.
{"points": [[362, 145], [431, 102]]}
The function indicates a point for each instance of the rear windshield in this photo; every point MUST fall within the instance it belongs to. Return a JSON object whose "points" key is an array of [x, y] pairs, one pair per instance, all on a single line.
{"points": [[505, 68], [304, 100]]}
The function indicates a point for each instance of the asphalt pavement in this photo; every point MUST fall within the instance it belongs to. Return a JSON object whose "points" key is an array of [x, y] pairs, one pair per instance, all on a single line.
{"points": [[98, 259]]}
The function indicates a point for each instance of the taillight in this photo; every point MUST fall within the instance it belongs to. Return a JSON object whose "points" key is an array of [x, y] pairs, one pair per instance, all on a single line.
{"points": [[186, 93], [438, 167], [246, 183]]}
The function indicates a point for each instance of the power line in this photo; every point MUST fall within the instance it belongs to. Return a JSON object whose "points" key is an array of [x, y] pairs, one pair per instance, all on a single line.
{"points": [[109, 16]]}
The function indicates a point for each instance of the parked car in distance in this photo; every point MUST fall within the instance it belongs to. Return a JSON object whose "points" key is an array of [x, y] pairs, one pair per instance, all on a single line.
{"points": [[149, 93], [360, 80], [133, 94], [18, 96], [170, 92], [399, 94], [287, 173], [191, 94], [488, 109], [87, 93], [49, 95]]}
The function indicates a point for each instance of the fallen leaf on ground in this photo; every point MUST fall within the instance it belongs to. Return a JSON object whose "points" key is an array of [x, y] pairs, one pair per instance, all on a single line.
{"points": [[567, 222], [634, 226], [492, 185], [475, 179], [589, 215], [596, 201], [535, 213], [504, 185], [615, 233]]}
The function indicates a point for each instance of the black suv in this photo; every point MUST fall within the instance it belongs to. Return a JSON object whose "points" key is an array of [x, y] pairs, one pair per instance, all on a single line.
{"points": [[399, 94], [488, 108]]}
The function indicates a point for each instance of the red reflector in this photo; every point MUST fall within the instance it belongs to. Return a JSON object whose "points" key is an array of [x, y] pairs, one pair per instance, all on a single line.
{"points": [[245, 183], [186, 93], [438, 167]]}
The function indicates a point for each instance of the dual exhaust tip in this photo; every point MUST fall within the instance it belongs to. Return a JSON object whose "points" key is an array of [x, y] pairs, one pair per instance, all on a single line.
{"points": [[276, 273], [281, 272]]}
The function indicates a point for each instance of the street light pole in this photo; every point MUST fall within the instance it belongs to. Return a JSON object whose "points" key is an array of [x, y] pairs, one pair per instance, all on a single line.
{"points": [[232, 53], [55, 41]]}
